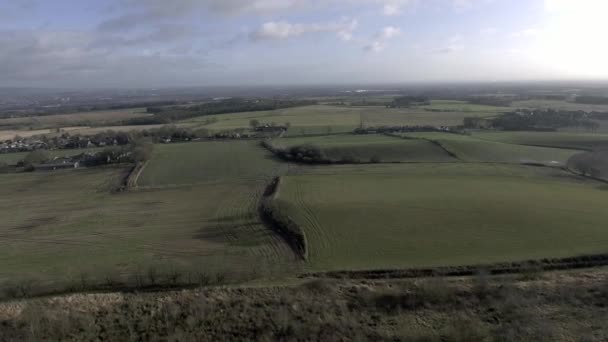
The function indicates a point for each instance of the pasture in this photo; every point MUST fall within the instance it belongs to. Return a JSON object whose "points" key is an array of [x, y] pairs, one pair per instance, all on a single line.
{"points": [[394, 216], [584, 141], [324, 119], [209, 162], [61, 226], [365, 148], [471, 149]]}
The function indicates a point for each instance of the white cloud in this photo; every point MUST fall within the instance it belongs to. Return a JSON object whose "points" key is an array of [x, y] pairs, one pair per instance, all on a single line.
{"points": [[279, 30], [375, 46], [454, 44], [527, 33], [390, 32], [379, 42], [488, 31]]}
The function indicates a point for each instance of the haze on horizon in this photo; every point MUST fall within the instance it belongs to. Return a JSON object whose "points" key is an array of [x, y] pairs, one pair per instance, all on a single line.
{"points": [[158, 43]]}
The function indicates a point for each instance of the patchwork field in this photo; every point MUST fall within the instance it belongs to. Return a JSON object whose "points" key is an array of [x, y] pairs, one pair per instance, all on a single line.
{"points": [[380, 148], [195, 163], [58, 227], [472, 149], [384, 216]]}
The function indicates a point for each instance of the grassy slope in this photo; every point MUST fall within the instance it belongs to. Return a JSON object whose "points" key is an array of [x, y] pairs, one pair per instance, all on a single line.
{"points": [[472, 149], [57, 226], [450, 214], [365, 147]]}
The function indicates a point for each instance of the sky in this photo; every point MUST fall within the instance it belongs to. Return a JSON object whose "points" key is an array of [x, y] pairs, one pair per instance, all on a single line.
{"points": [[168, 43]]}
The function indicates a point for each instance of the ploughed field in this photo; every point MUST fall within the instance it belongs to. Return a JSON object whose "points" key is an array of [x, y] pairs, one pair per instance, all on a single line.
{"points": [[417, 215], [373, 147], [61, 227]]}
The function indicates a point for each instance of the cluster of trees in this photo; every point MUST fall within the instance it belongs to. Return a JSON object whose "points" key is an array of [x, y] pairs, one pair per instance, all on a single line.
{"points": [[234, 105], [590, 164], [407, 101], [308, 154], [548, 119]]}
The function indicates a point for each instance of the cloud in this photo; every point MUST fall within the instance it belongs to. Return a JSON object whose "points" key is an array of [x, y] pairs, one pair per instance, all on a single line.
{"points": [[389, 32], [527, 33], [454, 44], [380, 39], [375, 46], [281, 30], [488, 31]]}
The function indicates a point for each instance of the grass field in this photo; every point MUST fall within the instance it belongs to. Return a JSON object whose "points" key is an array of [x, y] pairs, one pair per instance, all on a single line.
{"points": [[322, 119], [463, 106], [551, 139], [472, 149], [193, 163], [14, 158], [387, 216], [58, 226], [367, 147]]}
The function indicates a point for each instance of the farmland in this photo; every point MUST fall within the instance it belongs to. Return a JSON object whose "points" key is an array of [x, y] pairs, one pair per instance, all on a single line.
{"points": [[186, 164], [471, 149], [584, 141], [324, 119], [97, 118], [52, 219], [378, 148], [399, 216]]}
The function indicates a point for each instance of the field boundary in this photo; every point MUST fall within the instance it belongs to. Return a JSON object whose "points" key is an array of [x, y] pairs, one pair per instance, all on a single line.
{"points": [[272, 217], [547, 264]]}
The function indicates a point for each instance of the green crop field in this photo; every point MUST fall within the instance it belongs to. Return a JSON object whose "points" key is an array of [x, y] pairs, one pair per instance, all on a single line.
{"points": [[551, 139], [60, 226], [471, 149], [193, 163], [383, 216], [367, 147]]}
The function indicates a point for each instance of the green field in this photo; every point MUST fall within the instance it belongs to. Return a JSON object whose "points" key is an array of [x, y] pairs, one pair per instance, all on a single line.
{"points": [[59, 226], [472, 149], [367, 147], [550, 139], [387, 216], [209, 162], [14, 158], [322, 119], [463, 106]]}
